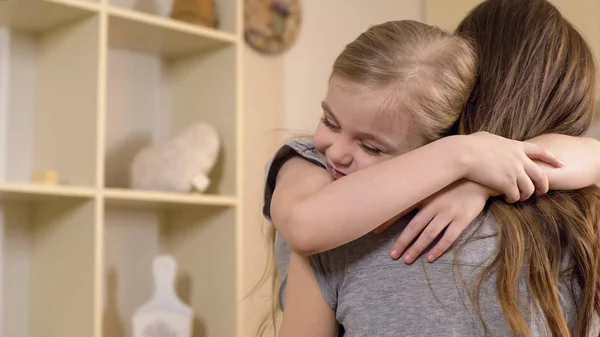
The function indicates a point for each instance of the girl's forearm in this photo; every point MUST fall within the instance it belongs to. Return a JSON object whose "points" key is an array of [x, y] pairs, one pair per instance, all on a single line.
{"points": [[350, 207]]}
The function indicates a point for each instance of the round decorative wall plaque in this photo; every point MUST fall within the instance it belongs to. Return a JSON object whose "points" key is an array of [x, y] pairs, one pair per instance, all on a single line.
{"points": [[272, 26]]}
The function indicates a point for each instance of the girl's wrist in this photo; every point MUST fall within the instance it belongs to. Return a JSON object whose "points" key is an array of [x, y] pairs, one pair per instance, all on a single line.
{"points": [[460, 149], [486, 191]]}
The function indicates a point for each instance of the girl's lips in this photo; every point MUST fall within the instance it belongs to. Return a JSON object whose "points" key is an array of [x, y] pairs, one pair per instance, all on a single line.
{"points": [[335, 173]]}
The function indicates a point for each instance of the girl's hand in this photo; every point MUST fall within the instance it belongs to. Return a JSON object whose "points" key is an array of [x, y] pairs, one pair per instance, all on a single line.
{"points": [[507, 165], [453, 209]]}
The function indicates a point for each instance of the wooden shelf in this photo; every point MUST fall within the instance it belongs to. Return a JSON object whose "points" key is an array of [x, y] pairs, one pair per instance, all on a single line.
{"points": [[156, 35], [150, 199], [87, 85], [114, 196], [24, 191], [35, 16]]}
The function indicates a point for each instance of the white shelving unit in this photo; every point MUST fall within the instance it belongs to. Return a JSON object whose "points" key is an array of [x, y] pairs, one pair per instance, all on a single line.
{"points": [[84, 85]]}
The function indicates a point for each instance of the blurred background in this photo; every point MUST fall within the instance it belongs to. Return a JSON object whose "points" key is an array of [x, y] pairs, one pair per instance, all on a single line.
{"points": [[134, 129]]}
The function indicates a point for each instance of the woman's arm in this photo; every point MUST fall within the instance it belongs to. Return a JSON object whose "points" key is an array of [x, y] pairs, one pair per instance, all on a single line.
{"points": [[314, 214], [306, 312]]}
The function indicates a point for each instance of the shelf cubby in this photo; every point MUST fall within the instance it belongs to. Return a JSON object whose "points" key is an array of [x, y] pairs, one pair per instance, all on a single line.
{"points": [[157, 35], [39, 16], [50, 84], [201, 239], [47, 266], [151, 96], [161, 9]]}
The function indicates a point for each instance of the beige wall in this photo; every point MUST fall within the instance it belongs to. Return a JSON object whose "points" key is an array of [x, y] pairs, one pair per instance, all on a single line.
{"points": [[263, 106], [446, 14], [285, 92]]}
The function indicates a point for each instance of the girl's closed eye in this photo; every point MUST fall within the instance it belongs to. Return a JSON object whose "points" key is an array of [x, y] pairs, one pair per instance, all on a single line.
{"points": [[329, 124], [370, 149]]}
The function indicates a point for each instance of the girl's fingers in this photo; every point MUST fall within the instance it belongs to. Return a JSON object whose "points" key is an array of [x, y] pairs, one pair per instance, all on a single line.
{"points": [[535, 151], [434, 228], [511, 193], [414, 227], [537, 176], [452, 233], [526, 186]]}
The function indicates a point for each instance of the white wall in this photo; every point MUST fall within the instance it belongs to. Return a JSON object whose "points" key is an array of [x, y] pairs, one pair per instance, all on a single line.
{"points": [[326, 28]]}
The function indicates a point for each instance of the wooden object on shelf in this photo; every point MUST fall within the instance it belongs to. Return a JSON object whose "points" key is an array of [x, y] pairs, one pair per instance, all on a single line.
{"points": [[164, 314], [46, 177], [198, 12]]}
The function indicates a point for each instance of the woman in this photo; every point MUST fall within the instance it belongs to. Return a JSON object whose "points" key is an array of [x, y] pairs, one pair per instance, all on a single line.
{"points": [[526, 269]]}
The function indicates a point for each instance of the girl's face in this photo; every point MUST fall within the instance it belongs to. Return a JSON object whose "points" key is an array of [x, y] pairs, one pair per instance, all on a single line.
{"points": [[359, 128]]}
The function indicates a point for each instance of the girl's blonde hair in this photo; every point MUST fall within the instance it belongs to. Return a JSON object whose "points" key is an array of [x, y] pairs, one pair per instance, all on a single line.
{"points": [[427, 74]]}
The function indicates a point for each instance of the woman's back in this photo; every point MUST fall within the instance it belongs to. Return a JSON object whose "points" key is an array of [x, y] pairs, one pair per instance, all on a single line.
{"points": [[376, 296]]}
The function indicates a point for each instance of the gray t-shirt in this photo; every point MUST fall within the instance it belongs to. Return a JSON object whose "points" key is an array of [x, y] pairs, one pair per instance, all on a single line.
{"points": [[374, 295]]}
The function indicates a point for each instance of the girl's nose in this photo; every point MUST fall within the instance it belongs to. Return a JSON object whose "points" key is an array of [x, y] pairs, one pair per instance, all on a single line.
{"points": [[340, 154]]}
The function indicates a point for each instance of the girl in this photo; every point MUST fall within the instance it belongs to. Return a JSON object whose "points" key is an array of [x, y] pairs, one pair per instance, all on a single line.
{"points": [[548, 233]]}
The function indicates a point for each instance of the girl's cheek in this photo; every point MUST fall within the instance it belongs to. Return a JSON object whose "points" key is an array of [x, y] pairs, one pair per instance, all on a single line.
{"points": [[369, 160], [366, 161], [320, 139]]}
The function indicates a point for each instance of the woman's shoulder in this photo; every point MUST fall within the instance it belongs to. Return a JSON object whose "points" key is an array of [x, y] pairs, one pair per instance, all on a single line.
{"points": [[473, 248]]}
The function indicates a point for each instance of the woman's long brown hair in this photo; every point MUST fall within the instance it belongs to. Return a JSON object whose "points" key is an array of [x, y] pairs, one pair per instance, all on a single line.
{"points": [[536, 75]]}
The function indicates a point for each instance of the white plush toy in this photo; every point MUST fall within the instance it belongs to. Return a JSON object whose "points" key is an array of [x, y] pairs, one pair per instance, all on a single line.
{"points": [[179, 164]]}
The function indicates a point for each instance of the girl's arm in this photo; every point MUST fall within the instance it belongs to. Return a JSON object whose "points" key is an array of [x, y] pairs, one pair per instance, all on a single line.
{"points": [[454, 208], [306, 311], [314, 214], [581, 156]]}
